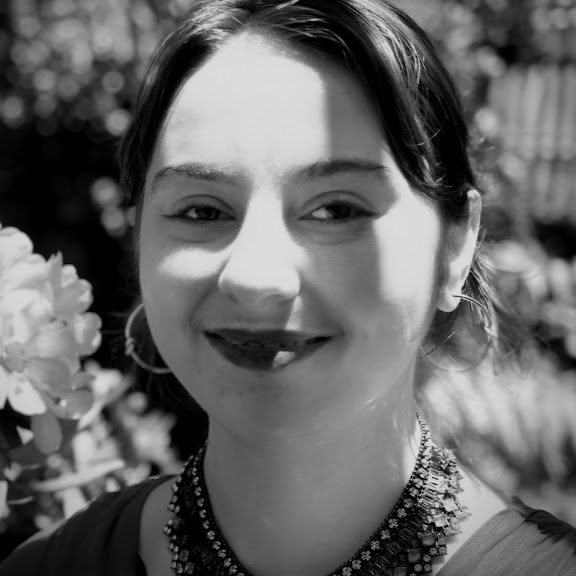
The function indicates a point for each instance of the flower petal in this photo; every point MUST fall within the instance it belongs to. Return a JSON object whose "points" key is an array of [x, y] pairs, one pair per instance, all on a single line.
{"points": [[73, 299], [15, 356], [30, 272], [69, 275], [47, 432], [25, 434], [50, 375], [61, 275], [87, 333], [14, 245], [108, 384], [55, 272], [23, 311], [55, 340], [25, 399]]}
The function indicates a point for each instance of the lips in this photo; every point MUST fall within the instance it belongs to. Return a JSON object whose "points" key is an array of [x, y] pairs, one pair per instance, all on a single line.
{"points": [[264, 350], [268, 340]]}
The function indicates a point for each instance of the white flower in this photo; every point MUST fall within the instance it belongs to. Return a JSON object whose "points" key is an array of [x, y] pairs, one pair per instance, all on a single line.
{"points": [[55, 340], [21, 394], [22, 312], [14, 246], [31, 272], [71, 295], [86, 328], [106, 384], [45, 329]]}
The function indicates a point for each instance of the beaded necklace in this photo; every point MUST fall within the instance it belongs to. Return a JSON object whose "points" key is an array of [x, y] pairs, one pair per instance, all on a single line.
{"points": [[405, 544]]}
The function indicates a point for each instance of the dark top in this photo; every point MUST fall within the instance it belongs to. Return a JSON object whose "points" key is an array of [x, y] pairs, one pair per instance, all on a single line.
{"points": [[103, 540]]}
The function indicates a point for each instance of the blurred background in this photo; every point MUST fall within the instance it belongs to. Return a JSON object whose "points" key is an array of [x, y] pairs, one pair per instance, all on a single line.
{"points": [[70, 74]]}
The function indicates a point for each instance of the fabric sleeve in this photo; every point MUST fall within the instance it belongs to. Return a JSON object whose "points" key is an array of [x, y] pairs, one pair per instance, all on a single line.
{"points": [[518, 541], [28, 559], [99, 540]]}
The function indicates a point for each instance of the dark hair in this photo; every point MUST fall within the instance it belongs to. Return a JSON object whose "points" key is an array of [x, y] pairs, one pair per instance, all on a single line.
{"points": [[424, 125]]}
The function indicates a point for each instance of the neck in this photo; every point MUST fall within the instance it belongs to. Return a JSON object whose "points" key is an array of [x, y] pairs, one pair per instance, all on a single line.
{"points": [[304, 503]]}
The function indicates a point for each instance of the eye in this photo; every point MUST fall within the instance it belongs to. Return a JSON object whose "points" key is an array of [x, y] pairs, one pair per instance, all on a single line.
{"points": [[201, 214], [338, 211]]}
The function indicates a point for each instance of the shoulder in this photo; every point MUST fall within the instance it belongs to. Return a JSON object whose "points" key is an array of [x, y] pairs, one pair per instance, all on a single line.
{"points": [[549, 537], [547, 523], [517, 540], [102, 538], [154, 551]]}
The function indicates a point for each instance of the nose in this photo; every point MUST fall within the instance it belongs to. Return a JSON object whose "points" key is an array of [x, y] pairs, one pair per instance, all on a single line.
{"points": [[261, 266]]}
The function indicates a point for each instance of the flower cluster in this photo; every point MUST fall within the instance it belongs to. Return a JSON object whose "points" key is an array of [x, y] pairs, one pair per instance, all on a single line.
{"points": [[45, 329]]}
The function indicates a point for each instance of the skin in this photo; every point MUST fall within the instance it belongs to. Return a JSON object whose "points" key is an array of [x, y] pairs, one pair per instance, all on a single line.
{"points": [[325, 445]]}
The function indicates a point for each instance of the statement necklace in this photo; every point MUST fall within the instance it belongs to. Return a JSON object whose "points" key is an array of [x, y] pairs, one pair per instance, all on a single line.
{"points": [[415, 531]]}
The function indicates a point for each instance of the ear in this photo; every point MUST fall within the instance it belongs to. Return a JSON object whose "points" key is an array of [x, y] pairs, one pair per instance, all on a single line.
{"points": [[461, 246]]}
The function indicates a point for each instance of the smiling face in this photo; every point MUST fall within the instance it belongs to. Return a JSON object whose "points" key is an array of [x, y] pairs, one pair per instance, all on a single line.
{"points": [[272, 202]]}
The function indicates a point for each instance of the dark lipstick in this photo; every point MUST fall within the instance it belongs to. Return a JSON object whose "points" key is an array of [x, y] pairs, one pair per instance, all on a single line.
{"points": [[266, 349]]}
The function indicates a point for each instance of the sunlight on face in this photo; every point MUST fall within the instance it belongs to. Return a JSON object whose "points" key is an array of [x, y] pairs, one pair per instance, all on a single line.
{"points": [[272, 201]]}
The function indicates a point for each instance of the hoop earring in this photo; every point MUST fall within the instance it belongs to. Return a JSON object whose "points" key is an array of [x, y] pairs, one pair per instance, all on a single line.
{"points": [[130, 345], [487, 328]]}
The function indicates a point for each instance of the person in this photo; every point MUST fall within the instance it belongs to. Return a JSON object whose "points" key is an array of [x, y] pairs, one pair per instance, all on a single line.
{"points": [[307, 233]]}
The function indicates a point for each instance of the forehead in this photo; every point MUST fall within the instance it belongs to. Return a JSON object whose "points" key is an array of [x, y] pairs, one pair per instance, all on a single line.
{"points": [[262, 99]]}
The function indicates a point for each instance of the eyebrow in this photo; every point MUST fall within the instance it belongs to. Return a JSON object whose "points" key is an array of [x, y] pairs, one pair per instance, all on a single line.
{"points": [[320, 169]]}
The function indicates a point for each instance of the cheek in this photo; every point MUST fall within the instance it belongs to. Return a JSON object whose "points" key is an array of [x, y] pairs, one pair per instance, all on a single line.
{"points": [[173, 276], [408, 258], [176, 278], [391, 282]]}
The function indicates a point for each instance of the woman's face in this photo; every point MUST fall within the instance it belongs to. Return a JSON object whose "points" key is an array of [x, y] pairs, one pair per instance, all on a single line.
{"points": [[272, 202]]}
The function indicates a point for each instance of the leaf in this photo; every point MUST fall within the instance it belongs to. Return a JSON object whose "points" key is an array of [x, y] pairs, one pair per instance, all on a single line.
{"points": [[76, 403], [47, 432], [49, 374], [71, 405], [27, 455]]}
